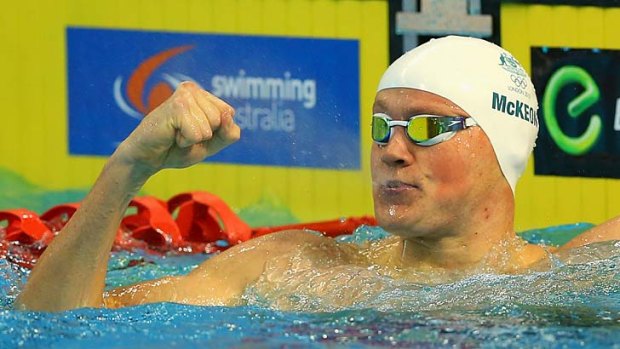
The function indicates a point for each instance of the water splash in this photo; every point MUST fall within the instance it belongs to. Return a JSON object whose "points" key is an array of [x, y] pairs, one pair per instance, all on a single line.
{"points": [[573, 303], [327, 278]]}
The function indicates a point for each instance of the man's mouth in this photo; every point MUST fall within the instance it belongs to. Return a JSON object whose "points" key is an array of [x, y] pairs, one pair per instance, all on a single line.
{"points": [[396, 186]]}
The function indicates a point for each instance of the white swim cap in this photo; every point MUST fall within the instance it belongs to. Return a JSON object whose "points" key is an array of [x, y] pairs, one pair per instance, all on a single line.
{"points": [[485, 81]]}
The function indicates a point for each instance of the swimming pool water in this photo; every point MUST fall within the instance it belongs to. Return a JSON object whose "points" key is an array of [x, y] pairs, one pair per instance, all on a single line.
{"points": [[574, 304]]}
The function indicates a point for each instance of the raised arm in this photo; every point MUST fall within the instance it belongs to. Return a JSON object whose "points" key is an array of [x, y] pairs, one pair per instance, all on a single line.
{"points": [[191, 125]]}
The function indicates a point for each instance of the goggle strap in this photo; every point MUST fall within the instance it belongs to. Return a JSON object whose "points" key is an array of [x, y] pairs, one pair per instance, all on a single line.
{"points": [[459, 123], [469, 122]]}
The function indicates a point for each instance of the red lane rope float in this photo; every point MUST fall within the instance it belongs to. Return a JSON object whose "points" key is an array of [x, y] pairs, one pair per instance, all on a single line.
{"points": [[25, 236], [331, 228], [204, 217], [57, 216], [152, 223], [188, 223], [24, 226]]}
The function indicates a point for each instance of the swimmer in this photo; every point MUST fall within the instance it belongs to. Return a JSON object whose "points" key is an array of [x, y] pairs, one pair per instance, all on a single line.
{"points": [[452, 135]]}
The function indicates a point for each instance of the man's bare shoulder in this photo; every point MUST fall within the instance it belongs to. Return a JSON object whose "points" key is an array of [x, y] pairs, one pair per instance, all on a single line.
{"points": [[249, 258], [294, 237], [221, 279], [279, 242]]}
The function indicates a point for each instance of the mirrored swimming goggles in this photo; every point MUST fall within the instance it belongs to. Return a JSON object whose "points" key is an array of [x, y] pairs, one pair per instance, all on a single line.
{"points": [[425, 130]]}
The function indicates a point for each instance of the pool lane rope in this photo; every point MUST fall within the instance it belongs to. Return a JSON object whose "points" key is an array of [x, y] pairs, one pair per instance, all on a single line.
{"points": [[192, 222]]}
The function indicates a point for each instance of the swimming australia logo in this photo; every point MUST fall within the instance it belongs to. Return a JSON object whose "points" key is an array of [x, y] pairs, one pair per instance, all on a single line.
{"points": [[510, 64], [136, 101], [279, 87], [266, 103], [518, 76]]}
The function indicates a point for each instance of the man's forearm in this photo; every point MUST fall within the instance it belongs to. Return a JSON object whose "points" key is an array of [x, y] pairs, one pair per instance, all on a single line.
{"points": [[71, 272], [182, 131], [609, 230]]}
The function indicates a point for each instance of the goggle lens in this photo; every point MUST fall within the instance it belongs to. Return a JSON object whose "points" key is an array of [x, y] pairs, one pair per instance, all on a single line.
{"points": [[380, 129], [423, 130]]}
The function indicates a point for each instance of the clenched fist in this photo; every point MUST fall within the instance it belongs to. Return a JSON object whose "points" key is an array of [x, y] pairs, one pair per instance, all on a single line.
{"points": [[189, 126]]}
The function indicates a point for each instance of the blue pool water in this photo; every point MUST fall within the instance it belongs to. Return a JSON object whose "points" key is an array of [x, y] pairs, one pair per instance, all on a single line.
{"points": [[574, 304]]}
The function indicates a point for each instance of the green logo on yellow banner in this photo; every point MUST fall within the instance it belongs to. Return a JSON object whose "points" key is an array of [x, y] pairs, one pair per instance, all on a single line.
{"points": [[562, 77]]}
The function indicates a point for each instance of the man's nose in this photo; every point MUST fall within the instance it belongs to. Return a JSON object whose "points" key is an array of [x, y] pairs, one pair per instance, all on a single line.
{"points": [[398, 150]]}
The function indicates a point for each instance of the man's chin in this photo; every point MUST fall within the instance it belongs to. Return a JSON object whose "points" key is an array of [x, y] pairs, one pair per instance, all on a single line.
{"points": [[394, 226], [402, 228]]}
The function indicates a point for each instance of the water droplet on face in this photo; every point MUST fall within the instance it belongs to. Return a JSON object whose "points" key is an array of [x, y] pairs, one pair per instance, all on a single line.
{"points": [[392, 211]]}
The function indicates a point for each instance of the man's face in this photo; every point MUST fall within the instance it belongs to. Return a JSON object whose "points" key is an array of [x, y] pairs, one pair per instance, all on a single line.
{"points": [[432, 191]]}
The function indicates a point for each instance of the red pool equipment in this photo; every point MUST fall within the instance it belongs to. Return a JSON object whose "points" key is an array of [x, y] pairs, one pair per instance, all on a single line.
{"points": [[330, 228], [204, 217], [200, 220], [152, 223], [24, 226], [57, 216]]}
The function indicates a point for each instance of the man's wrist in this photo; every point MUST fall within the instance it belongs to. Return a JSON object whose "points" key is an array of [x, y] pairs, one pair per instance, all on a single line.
{"points": [[139, 169]]}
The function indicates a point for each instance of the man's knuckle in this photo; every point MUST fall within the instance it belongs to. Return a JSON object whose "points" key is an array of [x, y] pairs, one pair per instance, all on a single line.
{"points": [[178, 103], [215, 121], [188, 85], [235, 135]]}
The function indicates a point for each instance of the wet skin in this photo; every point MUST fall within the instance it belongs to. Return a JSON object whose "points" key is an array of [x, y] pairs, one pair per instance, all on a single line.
{"points": [[448, 206], [449, 202], [426, 191]]}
